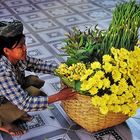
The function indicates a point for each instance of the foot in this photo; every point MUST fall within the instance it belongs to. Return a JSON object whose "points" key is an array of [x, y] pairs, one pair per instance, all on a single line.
{"points": [[26, 118], [12, 129]]}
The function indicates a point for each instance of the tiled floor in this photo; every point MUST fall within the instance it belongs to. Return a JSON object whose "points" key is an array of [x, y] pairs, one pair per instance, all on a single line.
{"points": [[45, 23]]}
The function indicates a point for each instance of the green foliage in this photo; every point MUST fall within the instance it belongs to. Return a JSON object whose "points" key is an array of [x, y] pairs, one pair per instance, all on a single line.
{"points": [[91, 44], [84, 46], [76, 85]]}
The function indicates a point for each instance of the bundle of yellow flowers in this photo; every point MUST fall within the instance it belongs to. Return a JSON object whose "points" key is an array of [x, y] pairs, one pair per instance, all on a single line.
{"points": [[104, 67], [113, 84]]}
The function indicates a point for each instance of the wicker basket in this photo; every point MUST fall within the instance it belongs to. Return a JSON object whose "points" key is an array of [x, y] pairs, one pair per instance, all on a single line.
{"points": [[83, 113]]}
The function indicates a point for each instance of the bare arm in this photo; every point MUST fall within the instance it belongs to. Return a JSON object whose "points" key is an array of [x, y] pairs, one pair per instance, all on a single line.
{"points": [[64, 94]]}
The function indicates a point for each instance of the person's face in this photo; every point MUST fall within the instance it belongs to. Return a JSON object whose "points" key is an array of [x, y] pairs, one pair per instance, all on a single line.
{"points": [[17, 52]]}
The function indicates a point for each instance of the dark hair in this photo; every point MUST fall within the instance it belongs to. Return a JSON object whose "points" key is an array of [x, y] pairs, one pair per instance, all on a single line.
{"points": [[8, 42]]}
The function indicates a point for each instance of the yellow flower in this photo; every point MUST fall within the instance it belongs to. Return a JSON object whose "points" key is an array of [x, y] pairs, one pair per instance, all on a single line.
{"points": [[124, 72], [99, 74], [132, 63], [138, 85], [114, 88], [128, 94], [122, 100], [123, 53], [138, 42], [100, 84], [75, 77], [88, 72], [113, 99], [71, 68], [106, 83], [63, 65], [93, 91], [136, 50], [84, 85], [132, 78], [123, 64], [114, 51], [83, 77], [106, 96], [107, 67], [95, 65], [117, 108], [123, 86], [107, 58], [93, 80], [133, 105], [137, 75], [137, 95], [116, 75], [96, 100], [132, 113], [125, 109], [104, 109]]}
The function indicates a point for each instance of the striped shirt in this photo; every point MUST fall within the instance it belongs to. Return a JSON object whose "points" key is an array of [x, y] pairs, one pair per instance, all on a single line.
{"points": [[13, 91]]}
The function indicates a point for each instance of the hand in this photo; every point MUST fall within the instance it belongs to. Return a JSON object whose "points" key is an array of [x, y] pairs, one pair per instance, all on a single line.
{"points": [[64, 94]]}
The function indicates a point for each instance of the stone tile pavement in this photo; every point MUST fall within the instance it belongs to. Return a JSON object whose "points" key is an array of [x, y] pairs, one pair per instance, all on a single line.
{"points": [[45, 23]]}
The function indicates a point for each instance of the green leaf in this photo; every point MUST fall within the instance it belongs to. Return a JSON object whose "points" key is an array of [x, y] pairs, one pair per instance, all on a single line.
{"points": [[81, 41], [77, 85], [68, 82], [71, 61], [81, 51]]}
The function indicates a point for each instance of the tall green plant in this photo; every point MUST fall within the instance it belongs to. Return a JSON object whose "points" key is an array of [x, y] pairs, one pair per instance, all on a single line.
{"points": [[123, 30]]}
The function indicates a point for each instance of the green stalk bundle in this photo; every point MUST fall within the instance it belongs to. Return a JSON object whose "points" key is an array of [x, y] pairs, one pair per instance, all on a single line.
{"points": [[123, 30]]}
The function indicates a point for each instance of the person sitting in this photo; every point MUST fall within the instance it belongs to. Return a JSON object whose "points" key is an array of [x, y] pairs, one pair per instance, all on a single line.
{"points": [[20, 94]]}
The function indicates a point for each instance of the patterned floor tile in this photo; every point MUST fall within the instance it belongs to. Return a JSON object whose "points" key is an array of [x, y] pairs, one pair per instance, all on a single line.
{"points": [[85, 7], [39, 52], [7, 18], [25, 30], [60, 137], [11, 3], [84, 26], [71, 20], [52, 35], [32, 16], [24, 9], [107, 3], [4, 12], [73, 2], [44, 121], [45, 23], [37, 1], [49, 4], [105, 23], [31, 40], [59, 11], [57, 46], [98, 15]]}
